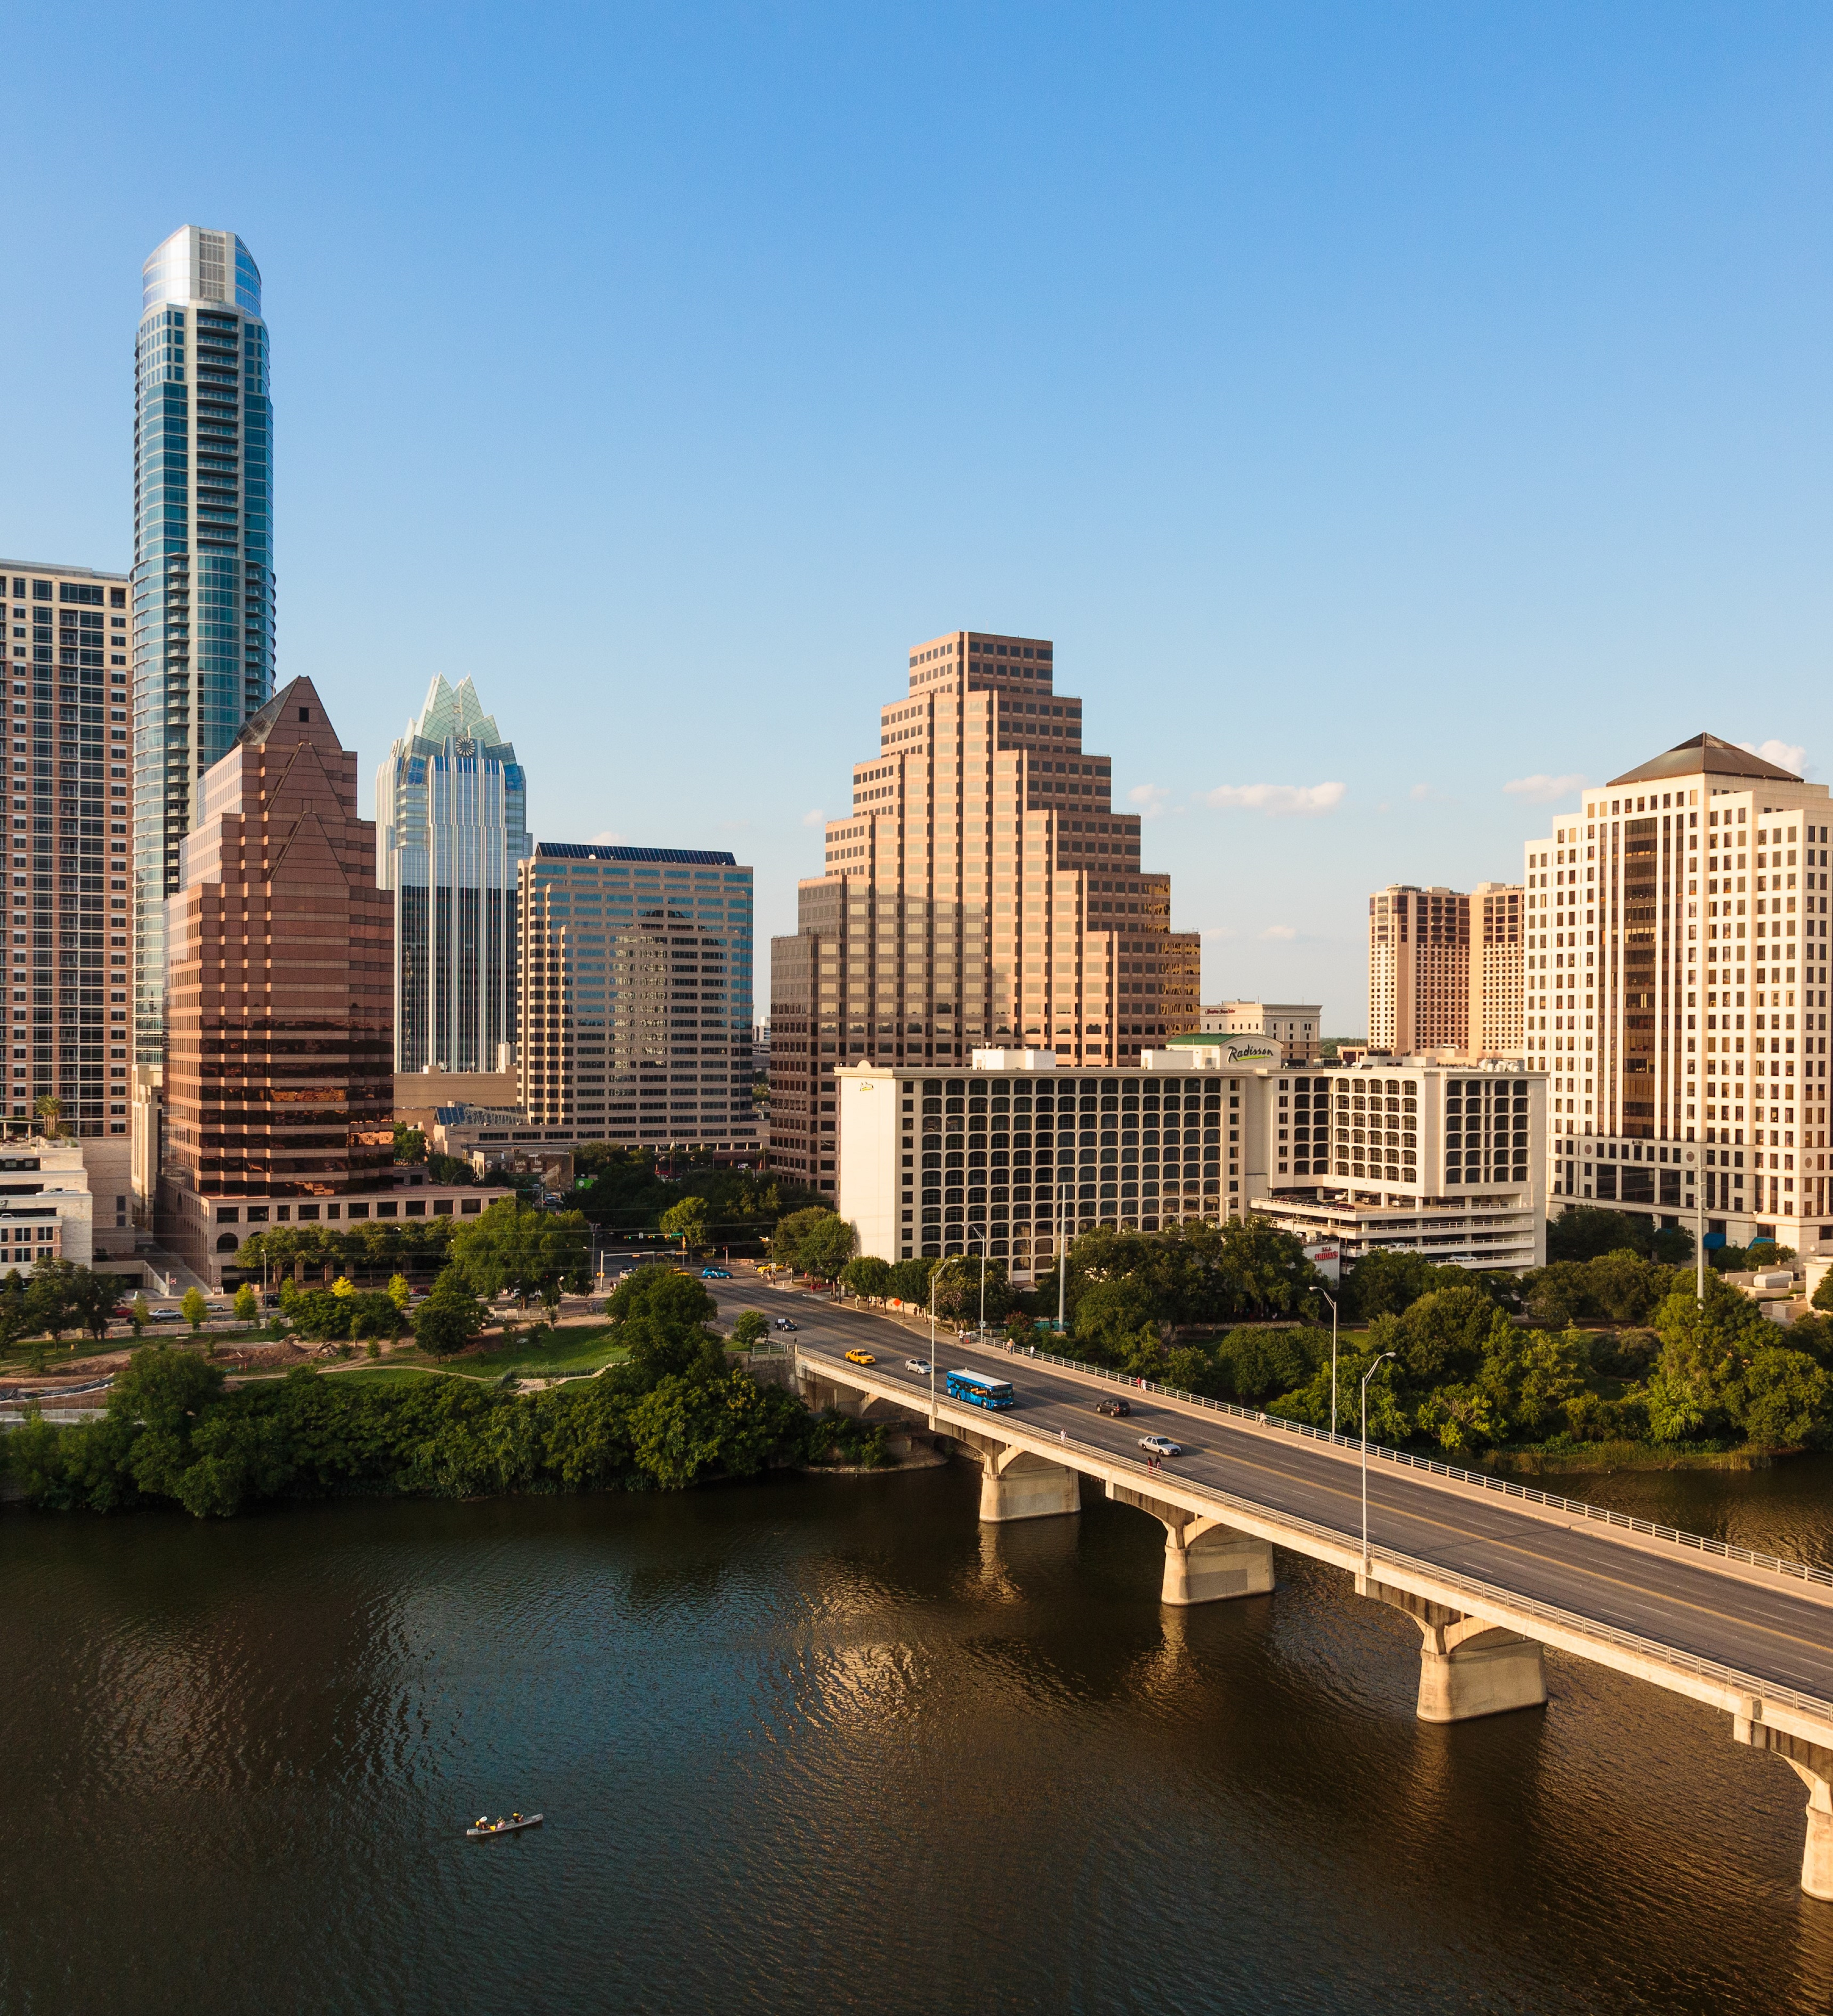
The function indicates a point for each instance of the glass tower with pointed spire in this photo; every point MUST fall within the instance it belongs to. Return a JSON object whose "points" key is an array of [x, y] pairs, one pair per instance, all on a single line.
{"points": [[204, 560], [451, 830]]}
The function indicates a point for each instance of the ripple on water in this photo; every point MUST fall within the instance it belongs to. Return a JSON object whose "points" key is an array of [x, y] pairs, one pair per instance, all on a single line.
{"points": [[807, 1745]]}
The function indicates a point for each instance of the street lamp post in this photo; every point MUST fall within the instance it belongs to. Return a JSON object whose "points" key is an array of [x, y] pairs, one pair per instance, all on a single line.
{"points": [[1368, 1375], [934, 1272], [1332, 1300]]}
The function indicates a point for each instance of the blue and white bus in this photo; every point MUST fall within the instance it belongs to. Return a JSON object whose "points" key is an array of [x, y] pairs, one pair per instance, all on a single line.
{"points": [[978, 1391]]}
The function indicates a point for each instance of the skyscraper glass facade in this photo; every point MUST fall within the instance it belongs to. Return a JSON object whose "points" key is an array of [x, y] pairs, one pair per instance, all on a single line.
{"points": [[451, 820], [204, 560]]}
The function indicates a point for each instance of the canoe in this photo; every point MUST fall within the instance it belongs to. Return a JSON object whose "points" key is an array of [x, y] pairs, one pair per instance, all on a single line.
{"points": [[502, 1826]]}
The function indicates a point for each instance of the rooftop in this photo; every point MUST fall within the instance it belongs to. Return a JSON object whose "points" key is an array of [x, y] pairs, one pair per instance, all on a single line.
{"points": [[1707, 753]]}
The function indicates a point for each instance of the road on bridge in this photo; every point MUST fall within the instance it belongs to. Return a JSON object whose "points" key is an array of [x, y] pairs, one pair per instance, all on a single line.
{"points": [[1781, 1633]]}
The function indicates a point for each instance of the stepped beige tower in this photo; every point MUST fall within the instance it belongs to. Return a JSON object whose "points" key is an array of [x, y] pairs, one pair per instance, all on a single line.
{"points": [[983, 892]]}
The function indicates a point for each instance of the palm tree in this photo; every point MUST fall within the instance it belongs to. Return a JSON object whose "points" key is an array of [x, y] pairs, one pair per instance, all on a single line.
{"points": [[49, 1109]]}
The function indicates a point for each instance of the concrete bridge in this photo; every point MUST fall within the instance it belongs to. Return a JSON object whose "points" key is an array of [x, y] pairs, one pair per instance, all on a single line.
{"points": [[1490, 1572]]}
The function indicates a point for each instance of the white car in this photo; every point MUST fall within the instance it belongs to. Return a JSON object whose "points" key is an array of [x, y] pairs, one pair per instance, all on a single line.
{"points": [[1159, 1445], [917, 1365]]}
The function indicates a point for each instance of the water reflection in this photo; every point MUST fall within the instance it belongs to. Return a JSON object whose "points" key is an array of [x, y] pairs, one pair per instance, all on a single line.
{"points": [[816, 1744]]}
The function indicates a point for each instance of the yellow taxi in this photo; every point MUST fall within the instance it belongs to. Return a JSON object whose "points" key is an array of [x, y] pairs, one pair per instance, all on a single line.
{"points": [[861, 1358]]}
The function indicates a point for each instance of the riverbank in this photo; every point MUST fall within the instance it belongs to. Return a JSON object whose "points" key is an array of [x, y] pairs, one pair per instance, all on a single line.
{"points": [[1605, 1458]]}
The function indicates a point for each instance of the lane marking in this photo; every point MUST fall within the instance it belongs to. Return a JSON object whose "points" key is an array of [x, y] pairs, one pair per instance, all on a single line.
{"points": [[1509, 1546]]}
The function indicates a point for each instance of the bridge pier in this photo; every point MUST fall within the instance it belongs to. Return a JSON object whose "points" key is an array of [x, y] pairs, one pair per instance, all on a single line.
{"points": [[1813, 1764], [1467, 1667], [1205, 1560], [1016, 1484]]}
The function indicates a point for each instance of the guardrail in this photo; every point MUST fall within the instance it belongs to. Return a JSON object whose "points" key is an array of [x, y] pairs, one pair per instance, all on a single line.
{"points": [[1483, 1480], [1481, 1592]]}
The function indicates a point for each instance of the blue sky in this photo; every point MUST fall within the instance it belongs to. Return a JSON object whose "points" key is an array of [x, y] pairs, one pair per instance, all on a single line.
{"points": [[1380, 406]]}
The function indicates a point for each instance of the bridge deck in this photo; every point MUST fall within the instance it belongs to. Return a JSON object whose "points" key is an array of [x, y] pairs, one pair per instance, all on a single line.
{"points": [[1772, 1630]]}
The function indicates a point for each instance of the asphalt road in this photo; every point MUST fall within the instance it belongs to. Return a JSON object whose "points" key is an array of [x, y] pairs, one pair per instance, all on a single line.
{"points": [[1777, 1634]]}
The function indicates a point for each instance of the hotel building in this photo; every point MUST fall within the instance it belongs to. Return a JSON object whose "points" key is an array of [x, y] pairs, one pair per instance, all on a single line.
{"points": [[636, 976], [983, 891], [1676, 993], [72, 663], [1296, 1026], [1418, 970], [1020, 1151], [451, 821]]}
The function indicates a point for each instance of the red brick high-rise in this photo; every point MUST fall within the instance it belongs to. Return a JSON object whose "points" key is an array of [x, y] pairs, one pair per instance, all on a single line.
{"points": [[279, 1073]]}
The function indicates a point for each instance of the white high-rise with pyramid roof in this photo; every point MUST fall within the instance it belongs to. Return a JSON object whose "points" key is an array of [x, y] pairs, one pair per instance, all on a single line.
{"points": [[1676, 947], [452, 829]]}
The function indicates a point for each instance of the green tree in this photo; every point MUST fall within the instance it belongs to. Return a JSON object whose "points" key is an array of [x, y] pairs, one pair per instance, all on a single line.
{"points": [[824, 1248], [47, 1304], [399, 1293], [410, 1144], [450, 1317], [49, 1109], [867, 1277], [677, 1299], [786, 1241], [194, 1308], [1109, 1315], [751, 1327], [534, 1254], [14, 1320], [1787, 1399], [909, 1281], [687, 1221], [164, 1395], [958, 1289], [1444, 1336], [247, 1305], [139, 1315]]}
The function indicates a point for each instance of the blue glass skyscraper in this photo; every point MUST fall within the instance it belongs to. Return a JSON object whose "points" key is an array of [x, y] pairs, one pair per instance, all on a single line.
{"points": [[451, 832], [204, 560]]}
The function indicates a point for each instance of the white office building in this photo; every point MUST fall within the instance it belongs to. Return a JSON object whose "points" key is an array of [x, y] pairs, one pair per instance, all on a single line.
{"points": [[1674, 994], [1020, 1150]]}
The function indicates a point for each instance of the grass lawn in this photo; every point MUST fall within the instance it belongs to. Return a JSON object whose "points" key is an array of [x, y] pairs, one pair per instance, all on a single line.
{"points": [[579, 1348], [382, 1375]]}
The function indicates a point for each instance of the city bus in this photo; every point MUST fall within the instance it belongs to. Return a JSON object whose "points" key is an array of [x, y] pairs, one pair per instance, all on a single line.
{"points": [[978, 1391]]}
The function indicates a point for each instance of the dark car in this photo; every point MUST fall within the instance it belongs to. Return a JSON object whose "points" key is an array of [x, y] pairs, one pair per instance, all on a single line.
{"points": [[1118, 1408], [783, 1323]]}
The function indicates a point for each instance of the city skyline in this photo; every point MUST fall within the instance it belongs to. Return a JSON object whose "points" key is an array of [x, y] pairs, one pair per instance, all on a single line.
{"points": [[1328, 411]]}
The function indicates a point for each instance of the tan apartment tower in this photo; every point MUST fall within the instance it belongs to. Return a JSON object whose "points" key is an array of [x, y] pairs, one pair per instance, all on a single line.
{"points": [[983, 892], [1676, 993], [280, 1061], [1495, 934], [1418, 970], [70, 771]]}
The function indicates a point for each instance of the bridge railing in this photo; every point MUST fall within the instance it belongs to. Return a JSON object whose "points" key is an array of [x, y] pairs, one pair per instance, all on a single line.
{"points": [[1483, 1480], [1474, 1588], [1471, 1588]]}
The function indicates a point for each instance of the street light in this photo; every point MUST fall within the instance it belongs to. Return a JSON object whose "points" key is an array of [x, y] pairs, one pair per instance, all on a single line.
{"points": [[1368, 1375], [933, 1272], [1332, 1300]]}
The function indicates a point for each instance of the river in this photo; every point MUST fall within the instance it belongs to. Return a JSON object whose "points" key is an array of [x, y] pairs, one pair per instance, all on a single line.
{"points": [[826, 1744]]}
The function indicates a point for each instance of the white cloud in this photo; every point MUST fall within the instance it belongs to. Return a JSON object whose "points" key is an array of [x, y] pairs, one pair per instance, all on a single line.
{"points": [[1789, 755], [814, 818], [1421, 791], [607, 840], [1542, 790], [1277, 801], [1150, 798], [1284, 932]]}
